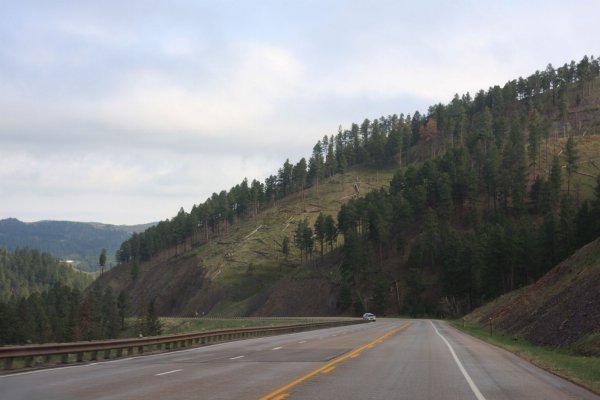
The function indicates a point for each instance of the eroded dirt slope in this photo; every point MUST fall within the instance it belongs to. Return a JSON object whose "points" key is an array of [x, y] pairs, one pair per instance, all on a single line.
{"points": [[560, 309]]}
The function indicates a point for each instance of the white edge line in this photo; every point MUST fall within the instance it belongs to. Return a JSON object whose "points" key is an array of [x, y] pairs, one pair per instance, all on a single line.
{"points": [[277, 348], [236, 358], [472, 385], [168, 372]]}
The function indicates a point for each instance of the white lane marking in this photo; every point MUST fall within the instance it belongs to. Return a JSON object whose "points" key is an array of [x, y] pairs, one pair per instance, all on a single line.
{"points": [[472, 385], [236, 358], [277, 348], [168, 372], [334, 335], [302, 341]]}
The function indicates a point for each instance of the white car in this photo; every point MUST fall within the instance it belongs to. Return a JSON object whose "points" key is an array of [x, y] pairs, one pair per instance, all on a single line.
{"points": [[369, 317]]}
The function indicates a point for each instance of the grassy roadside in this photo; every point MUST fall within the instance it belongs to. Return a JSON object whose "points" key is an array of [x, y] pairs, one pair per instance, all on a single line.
{"points": [[582, 370]]}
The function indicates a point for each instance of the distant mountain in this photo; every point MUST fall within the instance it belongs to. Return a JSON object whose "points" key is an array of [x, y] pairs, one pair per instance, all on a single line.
{"points": [[80, 242]]}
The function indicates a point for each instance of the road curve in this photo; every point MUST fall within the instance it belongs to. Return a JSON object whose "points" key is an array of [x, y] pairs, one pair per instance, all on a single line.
{"points": [[391, 358]]}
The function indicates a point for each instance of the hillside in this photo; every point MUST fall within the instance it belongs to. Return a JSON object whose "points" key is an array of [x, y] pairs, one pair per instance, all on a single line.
{"points": [[477, 198], [560, 309], [243, 271], [80, 242]]}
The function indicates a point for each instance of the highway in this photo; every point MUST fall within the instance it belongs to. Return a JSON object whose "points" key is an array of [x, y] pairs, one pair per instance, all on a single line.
{"points": [[387, 359]]}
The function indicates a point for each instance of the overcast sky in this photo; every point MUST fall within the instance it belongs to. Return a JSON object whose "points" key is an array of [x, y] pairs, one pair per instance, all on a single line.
{"points": [[124, 111]]}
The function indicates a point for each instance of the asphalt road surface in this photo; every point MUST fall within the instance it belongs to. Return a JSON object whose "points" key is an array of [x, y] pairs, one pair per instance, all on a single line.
{"points": [[388, 359]]}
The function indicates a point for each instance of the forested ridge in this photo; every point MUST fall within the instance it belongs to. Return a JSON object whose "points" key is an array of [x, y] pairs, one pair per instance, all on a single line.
{"points": [[27, 271], [80, 242]]}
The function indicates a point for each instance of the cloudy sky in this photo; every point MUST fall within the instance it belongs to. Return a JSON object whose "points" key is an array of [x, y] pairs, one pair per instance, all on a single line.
{"points": [[124, 111]]}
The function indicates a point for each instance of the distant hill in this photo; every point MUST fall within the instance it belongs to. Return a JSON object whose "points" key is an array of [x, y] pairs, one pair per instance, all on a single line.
{"points": [[80, 242], [25, 271], [560, 309]]}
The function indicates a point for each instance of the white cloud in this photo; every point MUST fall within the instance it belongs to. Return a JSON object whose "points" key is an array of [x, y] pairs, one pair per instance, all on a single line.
{"points": [[124, 116], [242, 93]]}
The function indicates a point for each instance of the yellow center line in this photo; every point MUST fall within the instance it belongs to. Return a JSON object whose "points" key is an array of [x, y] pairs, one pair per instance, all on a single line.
{"points": [[282, 396], [328, 370], [275, 394]]}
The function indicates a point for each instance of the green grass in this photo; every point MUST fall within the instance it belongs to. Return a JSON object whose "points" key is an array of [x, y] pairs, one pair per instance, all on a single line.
{"points": [[582, 370]]}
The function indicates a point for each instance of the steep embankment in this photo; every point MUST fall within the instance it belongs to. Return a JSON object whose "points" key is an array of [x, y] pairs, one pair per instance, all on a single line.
{"points": [[560, 309], [244, 271]]}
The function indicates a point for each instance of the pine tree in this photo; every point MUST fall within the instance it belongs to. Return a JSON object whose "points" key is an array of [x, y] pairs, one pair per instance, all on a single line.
{"points": [[285, 247], [331, 231], [122, 309], [572, 157], [320, 232], [152, 326]]}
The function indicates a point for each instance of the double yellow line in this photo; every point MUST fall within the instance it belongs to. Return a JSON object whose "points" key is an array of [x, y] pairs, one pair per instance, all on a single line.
{"points": [[280, 394]]}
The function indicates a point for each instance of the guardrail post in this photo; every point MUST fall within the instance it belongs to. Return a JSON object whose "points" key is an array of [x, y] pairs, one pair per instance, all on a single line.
{"points": [[8, 363], [94, 355], [28, 362], [119, 352], [64, 358], [80, 356], [130, 351], [107, 354], [140, 350]]}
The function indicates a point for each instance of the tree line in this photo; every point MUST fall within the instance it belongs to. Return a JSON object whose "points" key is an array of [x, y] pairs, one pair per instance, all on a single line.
{"points": [[65, 314]]}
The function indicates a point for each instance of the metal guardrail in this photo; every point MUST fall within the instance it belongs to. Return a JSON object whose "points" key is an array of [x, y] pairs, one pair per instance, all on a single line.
{"points": [[90, 351]]}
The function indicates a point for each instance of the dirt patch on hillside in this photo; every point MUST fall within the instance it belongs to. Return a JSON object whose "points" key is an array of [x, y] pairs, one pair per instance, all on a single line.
{"points": [[299, 297], [178, 288]]}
